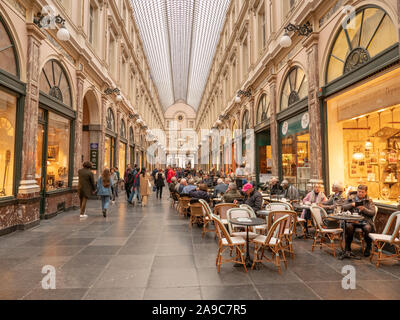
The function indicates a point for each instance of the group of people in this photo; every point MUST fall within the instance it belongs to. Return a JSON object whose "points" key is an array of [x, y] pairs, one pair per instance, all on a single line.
{"points": [[137, 183], [106, 187]]}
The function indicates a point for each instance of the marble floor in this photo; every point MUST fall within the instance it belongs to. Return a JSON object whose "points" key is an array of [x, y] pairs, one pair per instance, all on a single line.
{"points": [[150, 253]]}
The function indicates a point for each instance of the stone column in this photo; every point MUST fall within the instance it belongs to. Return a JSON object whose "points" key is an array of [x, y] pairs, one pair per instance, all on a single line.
{"points": [[274, 126], [80, 77], [117, 139], [28, 186], [251, 154], [311, 45], [104, 104]]}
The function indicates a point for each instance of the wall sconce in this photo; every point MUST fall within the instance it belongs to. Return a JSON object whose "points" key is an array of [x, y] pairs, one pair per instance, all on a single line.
{"points": [[242, 93], [48, 22], [304, 30], [116, 91]]}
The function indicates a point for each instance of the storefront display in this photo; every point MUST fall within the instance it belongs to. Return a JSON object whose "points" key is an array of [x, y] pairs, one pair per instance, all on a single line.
{"points": [[109, 151], [367, 122], [295, 150], [122, 157], [57, 152], [8, 107]]}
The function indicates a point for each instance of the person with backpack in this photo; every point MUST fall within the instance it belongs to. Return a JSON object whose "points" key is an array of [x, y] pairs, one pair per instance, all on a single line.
{"points": [[104, 184], [135, 188], [159, 183]]}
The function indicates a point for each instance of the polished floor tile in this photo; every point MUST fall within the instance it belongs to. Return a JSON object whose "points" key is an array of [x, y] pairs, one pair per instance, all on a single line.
{"points": [[150, 253]]}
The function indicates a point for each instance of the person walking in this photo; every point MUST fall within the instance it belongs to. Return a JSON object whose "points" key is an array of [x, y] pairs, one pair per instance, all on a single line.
{"points": [[114, 185], [104, 184], [145, 186], [116, 181], [159, 182], [86, 186], [135, 192], [126, 179]]}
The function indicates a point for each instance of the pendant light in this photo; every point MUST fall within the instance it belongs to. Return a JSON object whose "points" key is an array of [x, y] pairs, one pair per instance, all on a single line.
{"points": [[358, 155], [368, 143]]}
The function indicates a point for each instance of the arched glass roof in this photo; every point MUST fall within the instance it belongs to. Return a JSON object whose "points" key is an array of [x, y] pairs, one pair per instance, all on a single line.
{"points": [[180, 38]]}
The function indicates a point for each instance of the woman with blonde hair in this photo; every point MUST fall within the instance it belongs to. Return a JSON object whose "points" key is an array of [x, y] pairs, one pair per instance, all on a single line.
{"points": [[104, 184], [145, 186]]}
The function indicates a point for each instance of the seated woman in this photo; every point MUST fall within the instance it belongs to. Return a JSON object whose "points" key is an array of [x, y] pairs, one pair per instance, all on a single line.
{"points": [[315, 196], [336, 198], [362, 205]]}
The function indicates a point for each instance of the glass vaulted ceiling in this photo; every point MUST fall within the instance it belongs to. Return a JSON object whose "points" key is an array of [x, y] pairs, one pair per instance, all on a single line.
{"points": [[180, 38]]}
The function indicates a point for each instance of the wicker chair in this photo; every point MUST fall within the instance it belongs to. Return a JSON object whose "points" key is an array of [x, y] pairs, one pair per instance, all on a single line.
{"points": [[272, 241], [322, 233], [387, 237], [225, 241], [196, 214], [184, 205], [221, 210], [208, 218]]}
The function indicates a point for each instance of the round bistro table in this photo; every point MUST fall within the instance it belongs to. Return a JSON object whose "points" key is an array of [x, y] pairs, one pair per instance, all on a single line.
{"points": [[345, 219], [250, 222]]}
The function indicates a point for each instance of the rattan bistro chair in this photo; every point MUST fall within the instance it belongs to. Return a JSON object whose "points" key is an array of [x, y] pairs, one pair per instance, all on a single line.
{"points": [[184, 205], [272, 241], [208, 218], [258, 229], [225, 241], [221, 210], [387, 237], [322, 232], [196, 214], [287, 241]]}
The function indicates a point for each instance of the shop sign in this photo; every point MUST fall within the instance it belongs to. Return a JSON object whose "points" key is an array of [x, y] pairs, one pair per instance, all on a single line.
{"points": [[296, 124], [94, 155], [377, 94]]}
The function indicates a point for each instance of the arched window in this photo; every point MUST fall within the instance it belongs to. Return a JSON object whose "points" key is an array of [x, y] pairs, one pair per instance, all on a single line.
{"points": [[264, 109], [371, 32], [294, 89], [54, 82], [110, 120], [131, 136], [123, 129], [8, 52]]}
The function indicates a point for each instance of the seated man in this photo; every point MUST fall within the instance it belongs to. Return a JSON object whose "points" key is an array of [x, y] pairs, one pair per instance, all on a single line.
{"points": [[200, 193], [289, 191], [221, 187], [275, 188], [335, 198], [190, 187], [253, 198], [208, 181], [231, 194], [172, 185], [363, 206], [182, 186]]}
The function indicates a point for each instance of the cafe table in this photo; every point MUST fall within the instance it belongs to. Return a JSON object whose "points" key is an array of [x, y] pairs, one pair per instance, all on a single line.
{"points": [[346, 218], [248, 222]]}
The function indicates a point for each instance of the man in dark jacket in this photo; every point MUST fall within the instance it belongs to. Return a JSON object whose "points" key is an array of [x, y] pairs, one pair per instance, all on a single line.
{"points": [[201, 193], [86, 186], [363, 206], [252, 197], [136, 186]]}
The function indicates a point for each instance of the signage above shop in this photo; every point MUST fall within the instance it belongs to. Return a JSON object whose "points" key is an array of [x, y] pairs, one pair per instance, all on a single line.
{"points": [[296, 124], [377, 94]]}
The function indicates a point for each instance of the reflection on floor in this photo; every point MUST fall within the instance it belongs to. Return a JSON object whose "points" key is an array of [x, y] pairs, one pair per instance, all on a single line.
{"points": [[150, 253]]}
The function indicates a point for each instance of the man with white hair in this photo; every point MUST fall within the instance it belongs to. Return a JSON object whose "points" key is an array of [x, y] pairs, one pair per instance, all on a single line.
{"points": [[189, 187], [335, 198], [275, 187], [221, 187], [182, 185], [289, 191]]}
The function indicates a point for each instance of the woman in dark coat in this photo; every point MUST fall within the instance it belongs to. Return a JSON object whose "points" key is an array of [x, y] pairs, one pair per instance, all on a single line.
{"points": [[86, 186], [201, 193], [159, 182]]}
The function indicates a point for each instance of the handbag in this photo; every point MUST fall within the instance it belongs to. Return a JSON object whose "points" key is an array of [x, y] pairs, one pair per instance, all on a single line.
{"points": [[154, 188]]}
